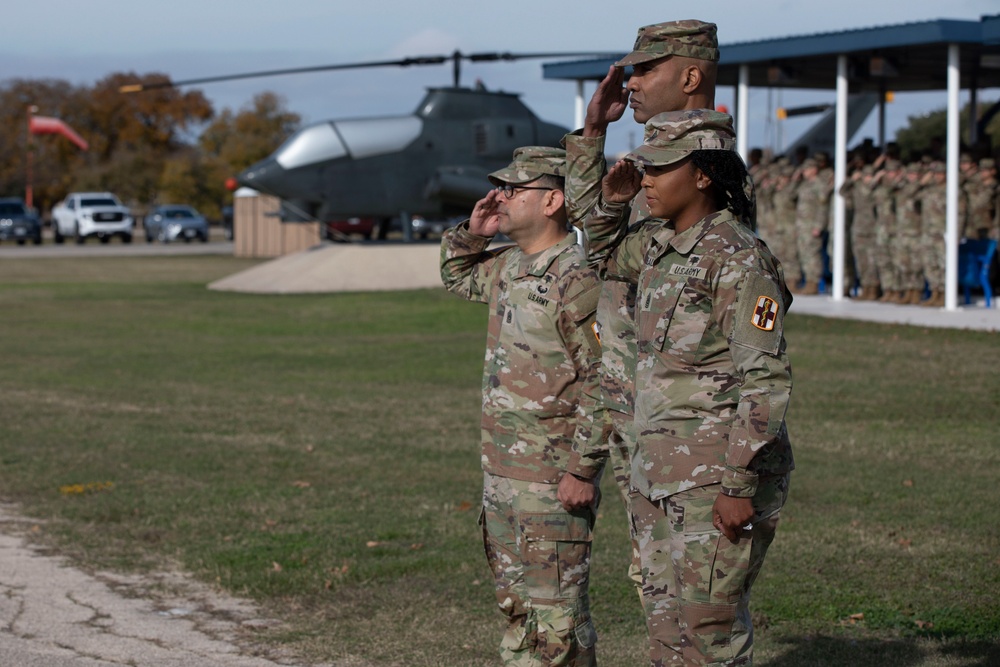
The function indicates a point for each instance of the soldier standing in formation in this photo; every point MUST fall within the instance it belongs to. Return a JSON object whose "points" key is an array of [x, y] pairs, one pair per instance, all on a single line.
{"points": [[984, 202], [784, 200], [859, 192], [905, 249], [712, 458], [543, 444], [883, 185], [933, 205], [674, 67], [812, 218]]}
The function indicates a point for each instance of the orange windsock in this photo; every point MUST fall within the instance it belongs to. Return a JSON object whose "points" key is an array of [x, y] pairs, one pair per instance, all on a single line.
{"points": [[46, 125]]}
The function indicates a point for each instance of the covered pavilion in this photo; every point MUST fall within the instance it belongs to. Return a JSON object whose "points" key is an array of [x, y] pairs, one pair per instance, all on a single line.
{"points": [[943, 54]]}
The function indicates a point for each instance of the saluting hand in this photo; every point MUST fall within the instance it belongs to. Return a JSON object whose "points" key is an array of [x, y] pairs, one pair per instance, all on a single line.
{"points": [[622, 182], [485, 218], [608, 103]]}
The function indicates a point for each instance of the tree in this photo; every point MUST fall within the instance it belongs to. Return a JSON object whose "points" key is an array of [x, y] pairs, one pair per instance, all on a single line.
{"points": [[928, 130], [251, 135], [233, 142]]}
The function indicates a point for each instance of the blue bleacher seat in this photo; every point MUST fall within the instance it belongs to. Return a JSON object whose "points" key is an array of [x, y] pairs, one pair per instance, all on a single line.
{"points": [[974, 257]]}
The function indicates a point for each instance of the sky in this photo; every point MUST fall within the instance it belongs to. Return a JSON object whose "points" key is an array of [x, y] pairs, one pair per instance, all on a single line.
{"points": [[82, 42]]}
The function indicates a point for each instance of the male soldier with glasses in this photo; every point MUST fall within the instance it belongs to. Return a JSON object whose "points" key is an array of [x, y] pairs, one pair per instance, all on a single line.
{"points": [[543, 439]]}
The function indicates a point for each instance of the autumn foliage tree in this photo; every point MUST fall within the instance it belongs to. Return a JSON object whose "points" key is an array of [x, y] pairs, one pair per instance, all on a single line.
{"points": [[145, 147]]}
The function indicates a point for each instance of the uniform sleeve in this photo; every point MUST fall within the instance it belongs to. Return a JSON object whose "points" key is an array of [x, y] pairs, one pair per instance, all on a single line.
{"points": [[466, 265], [585, 167], [750, 305], [578, 330]]}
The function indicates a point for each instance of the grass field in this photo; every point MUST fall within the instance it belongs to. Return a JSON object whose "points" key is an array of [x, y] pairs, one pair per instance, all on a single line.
{"points": [[319, 455]]}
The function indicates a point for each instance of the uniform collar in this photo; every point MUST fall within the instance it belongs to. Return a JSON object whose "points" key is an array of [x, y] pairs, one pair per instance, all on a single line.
{"points": [[539, 263], [689, 238]]}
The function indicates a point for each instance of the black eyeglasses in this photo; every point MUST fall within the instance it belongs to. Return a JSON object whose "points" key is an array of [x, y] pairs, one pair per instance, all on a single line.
{"points": [[508, 190]]}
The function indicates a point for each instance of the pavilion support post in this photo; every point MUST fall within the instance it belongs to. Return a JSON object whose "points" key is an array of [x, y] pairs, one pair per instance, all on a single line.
{"points": [[951, 217], [840, 175], [743, 113]]}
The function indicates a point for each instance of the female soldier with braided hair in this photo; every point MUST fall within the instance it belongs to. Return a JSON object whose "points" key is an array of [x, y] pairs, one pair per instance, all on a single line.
{"points": [[712, 385]]}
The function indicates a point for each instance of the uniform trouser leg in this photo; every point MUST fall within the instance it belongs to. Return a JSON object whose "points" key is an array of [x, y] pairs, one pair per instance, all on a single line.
{"points": [[864, 255], [696, 582], [621, 464], [933, 251], [810, 251], [540, 558]]}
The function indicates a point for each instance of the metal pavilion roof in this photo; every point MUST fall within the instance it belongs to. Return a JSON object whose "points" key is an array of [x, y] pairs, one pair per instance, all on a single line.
{"points": [[903, 57]]}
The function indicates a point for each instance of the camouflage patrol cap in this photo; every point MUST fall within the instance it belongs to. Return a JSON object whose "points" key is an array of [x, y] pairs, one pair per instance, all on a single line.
{"points": [[690, 38], [867, 170], [937, 167], [531, 163], [987, 163], [673, 135], [810, 163]]}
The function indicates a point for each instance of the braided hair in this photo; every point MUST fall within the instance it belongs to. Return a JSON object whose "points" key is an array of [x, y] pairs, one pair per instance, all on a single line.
{"points": [[732, 183]]}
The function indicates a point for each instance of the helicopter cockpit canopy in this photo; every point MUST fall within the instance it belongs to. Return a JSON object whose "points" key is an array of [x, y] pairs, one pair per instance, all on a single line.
{"points": [[358, 138]]}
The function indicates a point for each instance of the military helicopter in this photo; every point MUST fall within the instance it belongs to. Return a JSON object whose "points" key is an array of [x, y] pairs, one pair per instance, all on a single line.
{"points": [[431, 163]]}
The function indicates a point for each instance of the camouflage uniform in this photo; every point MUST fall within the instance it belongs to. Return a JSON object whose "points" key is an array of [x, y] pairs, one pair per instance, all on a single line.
{"points": [[885, 230], [542, 418], [906, 241], [585, 169], [711, 388], [785, 199], [933, 214], [858, 191], [984, 202], [812, 218]]}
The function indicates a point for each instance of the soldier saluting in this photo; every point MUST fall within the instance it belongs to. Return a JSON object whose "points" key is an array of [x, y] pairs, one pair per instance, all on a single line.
{"points": [[543, 424]]}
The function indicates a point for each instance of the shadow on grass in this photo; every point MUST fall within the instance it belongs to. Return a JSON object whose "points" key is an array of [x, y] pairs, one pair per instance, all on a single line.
{"points": [[871, 652]]}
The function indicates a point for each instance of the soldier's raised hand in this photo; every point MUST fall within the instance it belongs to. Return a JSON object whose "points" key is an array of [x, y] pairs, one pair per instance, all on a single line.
{"points": [[608, 103], [485, 218], [622, 182]]}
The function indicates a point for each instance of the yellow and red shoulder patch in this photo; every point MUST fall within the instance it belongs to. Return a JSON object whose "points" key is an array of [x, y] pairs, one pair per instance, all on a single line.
{"points": [[765, 313]]}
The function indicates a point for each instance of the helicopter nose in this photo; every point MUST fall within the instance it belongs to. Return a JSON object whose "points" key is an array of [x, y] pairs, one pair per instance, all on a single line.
{"points": [[261, 176]]}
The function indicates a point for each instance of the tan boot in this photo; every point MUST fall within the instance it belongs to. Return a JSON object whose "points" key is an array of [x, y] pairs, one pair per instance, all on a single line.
{"points": [[810, 288], [887, 296], [913, 297], [936, 300]]}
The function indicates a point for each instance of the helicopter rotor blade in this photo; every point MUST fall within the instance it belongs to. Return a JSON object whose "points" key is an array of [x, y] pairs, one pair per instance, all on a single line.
{"points": [[405, 62], [456, 57]]}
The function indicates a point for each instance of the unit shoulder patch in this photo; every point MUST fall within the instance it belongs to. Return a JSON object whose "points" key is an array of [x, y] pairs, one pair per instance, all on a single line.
{"points": [[759, 313]]}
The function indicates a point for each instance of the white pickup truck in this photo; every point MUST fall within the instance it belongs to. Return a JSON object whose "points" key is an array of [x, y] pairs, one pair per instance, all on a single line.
{"points": [[84, 214]]}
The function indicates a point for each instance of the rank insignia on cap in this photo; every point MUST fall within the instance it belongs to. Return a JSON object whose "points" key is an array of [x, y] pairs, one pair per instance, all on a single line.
{"points": [[765, 313]]}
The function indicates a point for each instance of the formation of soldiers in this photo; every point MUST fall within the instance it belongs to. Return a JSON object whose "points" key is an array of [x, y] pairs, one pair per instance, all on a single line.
{"points": [[895, 245]]}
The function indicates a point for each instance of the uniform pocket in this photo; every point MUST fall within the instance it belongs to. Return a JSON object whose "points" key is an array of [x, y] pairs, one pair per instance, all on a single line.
{"points": [[556, 553]]}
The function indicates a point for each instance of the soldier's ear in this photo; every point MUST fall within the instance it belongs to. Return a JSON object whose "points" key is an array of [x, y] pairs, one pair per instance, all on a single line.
{"points": [[554, 201], [691, 79]]}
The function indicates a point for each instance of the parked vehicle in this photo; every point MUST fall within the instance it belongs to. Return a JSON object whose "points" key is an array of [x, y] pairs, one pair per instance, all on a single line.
{"points": [[333, 229], [85, 214], [17, 223], [175, 222], [422, 227]]}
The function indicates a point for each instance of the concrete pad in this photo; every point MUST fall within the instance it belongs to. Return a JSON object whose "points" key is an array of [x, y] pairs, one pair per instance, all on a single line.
{"points": [[973, 316], [352, 267]]}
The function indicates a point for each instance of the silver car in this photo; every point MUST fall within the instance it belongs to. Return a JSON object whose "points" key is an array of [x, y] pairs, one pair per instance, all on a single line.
{"points": [[175, 222]]}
